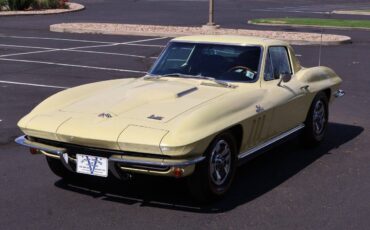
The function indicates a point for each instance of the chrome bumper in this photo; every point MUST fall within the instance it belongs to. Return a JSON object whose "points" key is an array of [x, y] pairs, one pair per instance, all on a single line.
{"points": [[62, 154], [339, 93]]}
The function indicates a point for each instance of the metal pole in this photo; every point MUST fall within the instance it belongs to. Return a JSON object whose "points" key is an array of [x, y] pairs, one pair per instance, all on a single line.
{"points": [[211, 13]]}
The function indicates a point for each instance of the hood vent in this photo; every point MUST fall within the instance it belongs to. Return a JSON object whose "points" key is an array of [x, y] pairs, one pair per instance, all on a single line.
{"points": [[186, 92]]}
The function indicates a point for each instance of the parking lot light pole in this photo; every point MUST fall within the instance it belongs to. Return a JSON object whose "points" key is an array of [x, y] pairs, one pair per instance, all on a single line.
{"points": [[211, 13], [211, 25]]}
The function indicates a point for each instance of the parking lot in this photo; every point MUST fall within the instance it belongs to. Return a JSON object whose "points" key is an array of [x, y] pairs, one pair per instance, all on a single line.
{"points": [[287, 188]]}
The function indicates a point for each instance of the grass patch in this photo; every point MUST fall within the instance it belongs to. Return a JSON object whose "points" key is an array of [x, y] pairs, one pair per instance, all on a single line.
{"points": [[314, 22]]}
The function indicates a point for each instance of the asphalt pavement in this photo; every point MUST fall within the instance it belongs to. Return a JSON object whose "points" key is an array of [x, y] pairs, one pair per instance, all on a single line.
{"points": [[287, 188]]}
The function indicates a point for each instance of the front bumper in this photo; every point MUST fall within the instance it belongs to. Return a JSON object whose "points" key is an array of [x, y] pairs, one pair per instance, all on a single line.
{"points": [[118, 161]]}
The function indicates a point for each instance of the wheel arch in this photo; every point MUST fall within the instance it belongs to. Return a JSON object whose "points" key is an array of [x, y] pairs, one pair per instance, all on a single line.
{"points": [[327, 93], [237, 132]]}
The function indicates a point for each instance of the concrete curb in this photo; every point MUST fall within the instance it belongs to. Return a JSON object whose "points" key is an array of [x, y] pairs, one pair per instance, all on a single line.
{"points": [[295, 38], [73, 7], [352, 12], [308, 26]]}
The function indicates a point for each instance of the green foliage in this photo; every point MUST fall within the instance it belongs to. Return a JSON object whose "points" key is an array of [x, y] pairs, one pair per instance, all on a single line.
{"points": [[47, 4], [3, 3], [19, 4], [319, 22], [34, 4]]}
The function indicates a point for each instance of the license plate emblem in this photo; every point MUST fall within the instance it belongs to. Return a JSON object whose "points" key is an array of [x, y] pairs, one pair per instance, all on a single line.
{"points": [[92, 165]]}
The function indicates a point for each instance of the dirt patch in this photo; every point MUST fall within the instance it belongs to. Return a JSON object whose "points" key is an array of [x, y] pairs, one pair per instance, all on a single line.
{"points": [[297, 38]]}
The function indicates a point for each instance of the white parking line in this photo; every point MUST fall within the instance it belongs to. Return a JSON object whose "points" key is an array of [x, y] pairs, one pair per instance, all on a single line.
{"points": [[28, 47], [107, 53], [25, 53], [145, 45], [31, 84], [55, 39], [78, 40], [72, 65], [47, 50]]}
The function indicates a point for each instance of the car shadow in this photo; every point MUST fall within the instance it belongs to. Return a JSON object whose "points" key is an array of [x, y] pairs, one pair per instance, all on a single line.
{"points": [[253, 179]]}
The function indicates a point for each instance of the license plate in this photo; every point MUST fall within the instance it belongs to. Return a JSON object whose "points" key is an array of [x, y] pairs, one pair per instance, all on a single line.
{"points": [[92, 165]]}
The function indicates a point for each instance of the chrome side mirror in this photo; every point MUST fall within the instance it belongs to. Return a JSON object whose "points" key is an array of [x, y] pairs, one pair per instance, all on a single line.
{"points": [[284, 77]]}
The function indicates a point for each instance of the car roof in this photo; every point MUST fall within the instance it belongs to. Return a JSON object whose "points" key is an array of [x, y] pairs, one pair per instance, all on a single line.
{"points": [[231, 39]]}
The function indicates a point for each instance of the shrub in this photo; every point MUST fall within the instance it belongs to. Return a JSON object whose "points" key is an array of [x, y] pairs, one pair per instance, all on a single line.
{"points": [[3, 3], [19, 4], [34, 4], [48, 4]]}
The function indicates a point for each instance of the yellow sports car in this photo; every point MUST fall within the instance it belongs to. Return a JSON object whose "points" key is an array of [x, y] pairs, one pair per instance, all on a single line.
{"points": [[208, 104]]}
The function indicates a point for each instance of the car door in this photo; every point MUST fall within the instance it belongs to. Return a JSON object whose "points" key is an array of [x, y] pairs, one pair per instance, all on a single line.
{"points": [[288, 99]]}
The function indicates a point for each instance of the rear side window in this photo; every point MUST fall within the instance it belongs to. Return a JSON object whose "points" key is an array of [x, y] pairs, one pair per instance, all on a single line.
{"points": [[277, 62]]}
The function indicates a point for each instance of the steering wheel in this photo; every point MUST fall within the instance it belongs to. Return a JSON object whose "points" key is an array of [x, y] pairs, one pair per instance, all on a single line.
{"points": [[244, 68]]}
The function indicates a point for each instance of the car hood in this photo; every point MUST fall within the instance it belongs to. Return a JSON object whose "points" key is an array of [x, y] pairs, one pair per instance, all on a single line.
{"points": [[160, 100]]}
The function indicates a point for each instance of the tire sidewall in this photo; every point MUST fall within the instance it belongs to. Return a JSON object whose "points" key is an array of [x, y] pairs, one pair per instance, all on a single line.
{"points": [[311, 135], [219, 190]]}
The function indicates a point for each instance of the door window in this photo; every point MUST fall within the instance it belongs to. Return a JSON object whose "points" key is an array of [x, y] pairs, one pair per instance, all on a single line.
{"points": [[277, 62]]}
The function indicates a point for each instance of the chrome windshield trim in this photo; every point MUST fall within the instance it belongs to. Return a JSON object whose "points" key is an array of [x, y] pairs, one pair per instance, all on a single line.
{"points": [[259, 73], [153, 163], [271, 141], [22, 140]]}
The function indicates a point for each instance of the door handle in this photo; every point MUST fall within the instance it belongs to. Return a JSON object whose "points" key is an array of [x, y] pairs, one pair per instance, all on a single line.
{"points": [[305, 87]]}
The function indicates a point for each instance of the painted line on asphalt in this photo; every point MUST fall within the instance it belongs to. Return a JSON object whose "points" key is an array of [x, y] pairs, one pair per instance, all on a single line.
{"points": [[79, 40], [107, 53], [25, 53], [146, 45], [32, 84], [47, 50], [72, 50], [55, 39], [72, 65], [133, 43], [28, 47]]}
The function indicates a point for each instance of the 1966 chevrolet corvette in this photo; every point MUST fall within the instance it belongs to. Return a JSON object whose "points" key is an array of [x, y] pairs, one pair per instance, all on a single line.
{"points": [[208, 104]]}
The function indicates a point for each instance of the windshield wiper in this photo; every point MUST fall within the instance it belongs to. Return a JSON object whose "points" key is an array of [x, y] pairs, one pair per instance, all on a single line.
{"points": [[220, 82]]}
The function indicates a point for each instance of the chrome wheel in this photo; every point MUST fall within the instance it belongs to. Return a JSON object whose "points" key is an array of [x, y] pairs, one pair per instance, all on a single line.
{"points": [[319, 117], [220, 162]]}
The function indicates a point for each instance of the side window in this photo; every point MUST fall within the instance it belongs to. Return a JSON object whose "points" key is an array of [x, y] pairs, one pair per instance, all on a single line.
{"points": [[277, 62]]}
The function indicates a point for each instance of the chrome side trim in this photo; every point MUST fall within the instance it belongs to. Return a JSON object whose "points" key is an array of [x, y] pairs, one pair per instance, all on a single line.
{"points": [[22, 140], [271, 141], [339, 93], [160, 164]]}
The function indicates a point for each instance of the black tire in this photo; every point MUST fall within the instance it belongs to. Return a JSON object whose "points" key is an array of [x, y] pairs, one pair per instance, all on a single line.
{"points": [[58, 168], [317, 121], [202, 184]]}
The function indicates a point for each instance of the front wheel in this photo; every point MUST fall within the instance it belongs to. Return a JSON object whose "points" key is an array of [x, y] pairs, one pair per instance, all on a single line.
{"points": [[317, 120], [212, 177]]}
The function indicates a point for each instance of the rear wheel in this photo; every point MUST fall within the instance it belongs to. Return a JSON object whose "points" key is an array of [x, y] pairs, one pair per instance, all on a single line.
{"points": [[58, 168], [213, 176], [316, 121]]}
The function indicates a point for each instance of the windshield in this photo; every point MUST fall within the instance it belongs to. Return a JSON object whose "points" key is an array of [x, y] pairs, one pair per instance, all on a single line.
{"points": [[222, 62]]}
